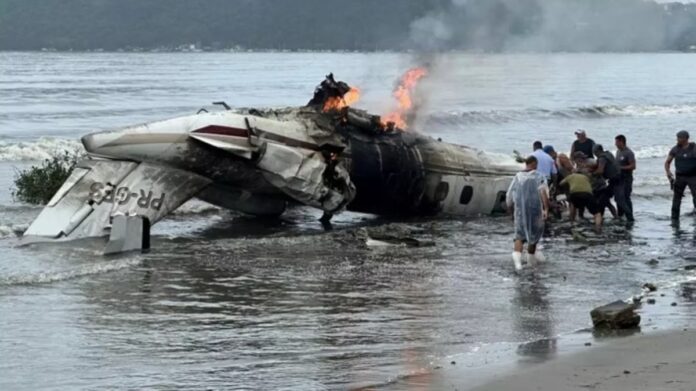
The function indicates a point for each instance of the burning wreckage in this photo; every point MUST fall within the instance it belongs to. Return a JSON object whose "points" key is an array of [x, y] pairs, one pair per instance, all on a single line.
{"points": [[326, 154]]}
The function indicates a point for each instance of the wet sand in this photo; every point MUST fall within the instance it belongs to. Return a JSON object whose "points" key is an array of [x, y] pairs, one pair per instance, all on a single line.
{"points": [[655, 362]]}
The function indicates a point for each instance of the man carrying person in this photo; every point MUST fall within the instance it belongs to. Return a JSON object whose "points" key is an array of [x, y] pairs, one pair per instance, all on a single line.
{"points": [[583, 144], [546, 165], [627, 164], [581, 197], [527, 198], [609, 170], [684, 156], [563, 163], [601, 192]]}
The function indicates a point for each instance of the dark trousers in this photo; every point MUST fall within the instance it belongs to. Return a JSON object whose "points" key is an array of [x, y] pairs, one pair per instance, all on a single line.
{"points": [[628, 191], [603, 197], [621, 189], [680, 184], [618, 190]]}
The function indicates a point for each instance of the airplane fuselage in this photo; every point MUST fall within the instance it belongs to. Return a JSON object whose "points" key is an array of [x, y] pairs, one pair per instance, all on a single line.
{"points": [[395, 173]]}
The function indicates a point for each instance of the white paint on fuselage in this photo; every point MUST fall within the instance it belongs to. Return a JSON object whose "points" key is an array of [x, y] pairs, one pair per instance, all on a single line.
{"points": [[487, 194], [486, 175]]}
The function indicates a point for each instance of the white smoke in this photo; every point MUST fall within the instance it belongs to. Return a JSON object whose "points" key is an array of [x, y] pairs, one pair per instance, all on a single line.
{"points": [[546, 25]]}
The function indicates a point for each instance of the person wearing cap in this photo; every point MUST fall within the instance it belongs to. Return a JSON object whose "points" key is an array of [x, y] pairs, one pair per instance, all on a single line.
{"points": [[608, 169], [684, 156], [583, 144], [627, 163], [545, 164]]}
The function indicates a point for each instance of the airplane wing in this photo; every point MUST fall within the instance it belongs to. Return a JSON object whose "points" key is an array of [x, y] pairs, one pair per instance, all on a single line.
{"points": [[99, 190]]}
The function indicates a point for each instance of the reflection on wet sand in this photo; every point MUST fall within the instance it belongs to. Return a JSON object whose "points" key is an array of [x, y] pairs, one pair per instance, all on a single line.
{"points": [[316, 309], [289, 305], [532, 316]]}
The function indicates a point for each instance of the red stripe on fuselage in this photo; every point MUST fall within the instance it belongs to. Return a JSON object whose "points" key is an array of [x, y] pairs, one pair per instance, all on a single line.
{"points": [[223, 130]]}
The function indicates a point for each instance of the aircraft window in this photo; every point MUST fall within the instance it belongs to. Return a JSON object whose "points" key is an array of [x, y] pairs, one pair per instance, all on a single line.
{"points": [[441, 191], [467, 195], [500, 207]]}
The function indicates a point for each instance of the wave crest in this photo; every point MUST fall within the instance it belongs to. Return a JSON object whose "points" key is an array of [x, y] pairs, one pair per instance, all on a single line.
{"points": [[502, 116], [43, 148], [56, 276]]}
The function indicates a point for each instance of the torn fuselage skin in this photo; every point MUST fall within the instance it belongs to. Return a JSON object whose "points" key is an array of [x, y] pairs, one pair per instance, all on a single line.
{"points": [[259, 161], [393, 173]]}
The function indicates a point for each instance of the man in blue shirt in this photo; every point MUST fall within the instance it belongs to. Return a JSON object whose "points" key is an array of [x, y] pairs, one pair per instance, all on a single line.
{"points": [[545, 164]]}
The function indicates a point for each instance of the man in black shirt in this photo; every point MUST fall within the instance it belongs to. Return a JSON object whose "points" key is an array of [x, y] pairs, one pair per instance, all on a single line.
{"points": [[684, 156], [583, 144], [608, 169], [627, 163]]}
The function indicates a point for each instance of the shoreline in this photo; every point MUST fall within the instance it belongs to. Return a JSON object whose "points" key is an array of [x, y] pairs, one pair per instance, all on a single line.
{"points": [[634, 361], [641, 362], [658, 355]]}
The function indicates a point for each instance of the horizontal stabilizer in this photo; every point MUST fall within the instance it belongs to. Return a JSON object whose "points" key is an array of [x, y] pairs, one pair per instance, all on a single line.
{"points": [[98, 190]]}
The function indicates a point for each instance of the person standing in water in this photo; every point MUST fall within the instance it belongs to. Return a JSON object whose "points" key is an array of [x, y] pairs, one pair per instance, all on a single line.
{"points": [[609, 170], [684, 156], [627, 163], [527, 198], [583, 144], [545, 163]]}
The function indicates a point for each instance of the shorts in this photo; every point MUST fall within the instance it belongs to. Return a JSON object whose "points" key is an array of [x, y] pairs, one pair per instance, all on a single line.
{"points": [[584, 201]]}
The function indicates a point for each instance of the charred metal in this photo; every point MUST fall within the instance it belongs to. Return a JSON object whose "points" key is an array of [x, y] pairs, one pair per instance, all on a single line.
{"points": [[326, 155]]}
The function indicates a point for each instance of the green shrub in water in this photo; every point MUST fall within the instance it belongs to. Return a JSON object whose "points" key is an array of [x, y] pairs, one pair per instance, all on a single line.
{"points": [[518, 156], [38, 184]]}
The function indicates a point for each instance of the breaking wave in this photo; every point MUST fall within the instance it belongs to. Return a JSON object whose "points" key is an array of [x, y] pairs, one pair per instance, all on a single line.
{"points": [[6, 231], [589, 112], [55, 276], [43, 148], [12, 230], [655, 151]]}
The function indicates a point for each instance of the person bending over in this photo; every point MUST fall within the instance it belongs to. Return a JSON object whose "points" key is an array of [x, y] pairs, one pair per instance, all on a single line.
{"points": [[580, 197], [609, 170]]}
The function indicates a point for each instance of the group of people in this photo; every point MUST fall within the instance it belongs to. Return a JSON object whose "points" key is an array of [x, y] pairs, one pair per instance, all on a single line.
{"points": [[589, 178]]}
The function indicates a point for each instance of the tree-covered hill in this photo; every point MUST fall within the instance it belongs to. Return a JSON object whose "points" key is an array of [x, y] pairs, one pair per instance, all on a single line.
{"points": [[490, 25]]}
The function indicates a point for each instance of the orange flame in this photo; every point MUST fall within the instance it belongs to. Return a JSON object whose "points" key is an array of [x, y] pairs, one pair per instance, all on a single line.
{"points": [[337, 102], [403, 93]]}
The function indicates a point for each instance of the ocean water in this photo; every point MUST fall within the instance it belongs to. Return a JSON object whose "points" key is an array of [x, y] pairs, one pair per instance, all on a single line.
{"points": [[229, 301]]}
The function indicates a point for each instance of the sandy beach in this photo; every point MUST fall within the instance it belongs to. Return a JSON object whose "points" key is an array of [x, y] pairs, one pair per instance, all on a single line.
{"points": [[655, 362]]}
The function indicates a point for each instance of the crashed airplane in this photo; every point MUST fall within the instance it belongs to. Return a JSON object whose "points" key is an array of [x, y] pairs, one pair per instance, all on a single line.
{"points": [[326, 154]]}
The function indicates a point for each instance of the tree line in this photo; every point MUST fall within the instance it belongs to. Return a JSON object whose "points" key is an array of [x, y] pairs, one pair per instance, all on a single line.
{"points": [[363, 25]]}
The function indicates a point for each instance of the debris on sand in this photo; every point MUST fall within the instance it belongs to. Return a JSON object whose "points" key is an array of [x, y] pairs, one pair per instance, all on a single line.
{"points": [[393, 234], [386, 235], [616, 315]]}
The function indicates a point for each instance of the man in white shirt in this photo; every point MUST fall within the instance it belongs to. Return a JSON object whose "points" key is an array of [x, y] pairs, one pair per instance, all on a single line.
{"points": [[545, 164]]}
